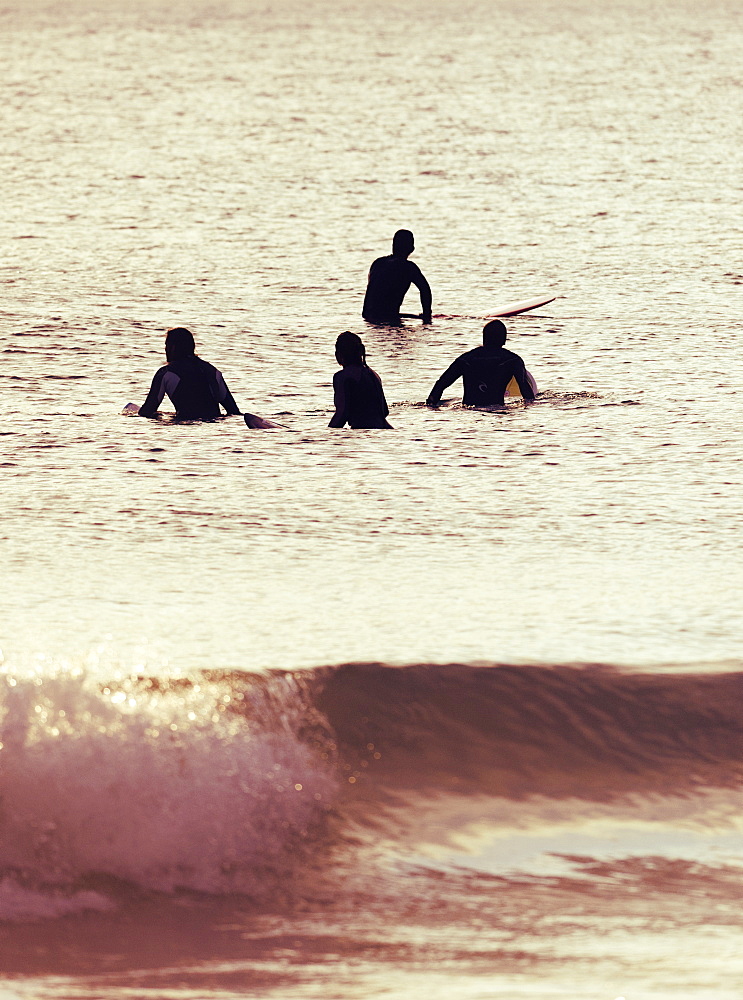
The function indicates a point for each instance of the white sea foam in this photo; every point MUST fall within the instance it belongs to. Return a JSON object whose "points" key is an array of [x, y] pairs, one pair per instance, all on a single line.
{"points": [[166, 786], [235, 168]]}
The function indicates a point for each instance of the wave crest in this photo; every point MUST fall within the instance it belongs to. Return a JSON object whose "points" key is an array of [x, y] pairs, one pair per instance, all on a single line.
{"points": [[231, 782], [166, 784]]}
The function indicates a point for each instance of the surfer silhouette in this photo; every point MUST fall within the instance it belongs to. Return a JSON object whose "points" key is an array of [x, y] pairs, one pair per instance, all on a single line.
{"points": [[389, 279], [196, 388], [486, 371], [358, 394]]}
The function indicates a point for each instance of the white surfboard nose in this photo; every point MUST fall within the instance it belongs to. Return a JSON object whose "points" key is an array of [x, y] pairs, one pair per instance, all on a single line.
{"points": [[513, 308]]}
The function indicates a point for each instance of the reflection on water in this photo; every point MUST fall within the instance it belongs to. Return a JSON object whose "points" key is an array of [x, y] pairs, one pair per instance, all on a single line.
{"points": [[464, 932], [524, 831], [332, 829]]}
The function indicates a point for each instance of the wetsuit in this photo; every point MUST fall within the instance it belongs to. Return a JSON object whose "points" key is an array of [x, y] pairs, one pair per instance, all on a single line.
{"points": [[359, 398], [195, 388], [486, 372], [389, 279]]}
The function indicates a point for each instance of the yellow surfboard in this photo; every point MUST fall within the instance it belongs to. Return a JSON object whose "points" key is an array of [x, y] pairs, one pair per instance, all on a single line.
{"points": [[512, 389]]}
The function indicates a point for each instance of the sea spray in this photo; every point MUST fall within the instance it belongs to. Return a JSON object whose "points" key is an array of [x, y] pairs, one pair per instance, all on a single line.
{"points": [[166, 784]]}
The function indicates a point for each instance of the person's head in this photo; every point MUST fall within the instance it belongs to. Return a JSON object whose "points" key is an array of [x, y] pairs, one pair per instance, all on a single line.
{"points": [[403, 243], [179, 343], [349, 350], [494, 334]]}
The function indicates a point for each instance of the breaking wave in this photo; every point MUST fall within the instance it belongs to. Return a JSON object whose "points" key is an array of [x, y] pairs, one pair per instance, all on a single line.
{"points": [[229, 782]]}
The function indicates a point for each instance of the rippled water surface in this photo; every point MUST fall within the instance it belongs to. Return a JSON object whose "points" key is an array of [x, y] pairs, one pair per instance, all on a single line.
{"points": [[235, 167]]}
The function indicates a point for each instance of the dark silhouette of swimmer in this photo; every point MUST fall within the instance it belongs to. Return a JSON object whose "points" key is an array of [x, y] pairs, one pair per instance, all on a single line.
{"points": [[359, 397], [485, 371], [195, 387], [390, 278]]}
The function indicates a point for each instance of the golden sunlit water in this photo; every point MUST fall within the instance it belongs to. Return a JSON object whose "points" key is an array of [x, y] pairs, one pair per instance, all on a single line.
{"points": [[448, 711]]}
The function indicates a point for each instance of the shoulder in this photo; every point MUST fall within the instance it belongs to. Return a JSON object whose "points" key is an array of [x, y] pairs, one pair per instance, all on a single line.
{"points": [[205, 366], [473, 355], [459, 363], [516, 358], [209, 371]]}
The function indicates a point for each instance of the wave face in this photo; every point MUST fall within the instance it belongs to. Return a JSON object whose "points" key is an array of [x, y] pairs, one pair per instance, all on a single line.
{"points": [[232, 782], [590, 731]]}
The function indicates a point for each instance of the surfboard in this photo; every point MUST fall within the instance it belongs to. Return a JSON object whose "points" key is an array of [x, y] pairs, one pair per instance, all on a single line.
{"points": [[512, 389], [252, 420], [256, 423], [514, 308]]}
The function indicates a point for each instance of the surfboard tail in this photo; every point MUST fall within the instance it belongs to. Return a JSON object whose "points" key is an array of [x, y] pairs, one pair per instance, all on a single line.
{"points": [[256, 423]]}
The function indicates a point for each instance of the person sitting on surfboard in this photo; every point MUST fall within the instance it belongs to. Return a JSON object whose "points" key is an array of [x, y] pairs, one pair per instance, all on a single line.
{"points": [[390, 278], [486, 371], [195, 387], [359, 397]]}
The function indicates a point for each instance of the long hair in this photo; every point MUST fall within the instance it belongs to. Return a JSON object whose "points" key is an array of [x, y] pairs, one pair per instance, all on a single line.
{"points": [[179, 344], [349, 349]]}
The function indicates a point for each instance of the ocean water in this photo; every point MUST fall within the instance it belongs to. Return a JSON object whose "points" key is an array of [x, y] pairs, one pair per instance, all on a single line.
{"points": [[452, 710]]}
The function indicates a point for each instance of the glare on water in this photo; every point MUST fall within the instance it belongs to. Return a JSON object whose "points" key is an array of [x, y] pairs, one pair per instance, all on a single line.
{"points": [[235, 168]]}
